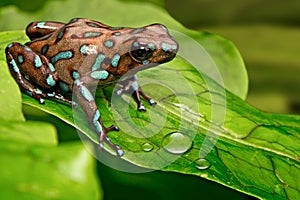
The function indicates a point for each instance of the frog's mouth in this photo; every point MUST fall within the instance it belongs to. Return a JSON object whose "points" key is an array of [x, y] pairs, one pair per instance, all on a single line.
{"points": [[164, 56], [146, 66], [155, 61]]}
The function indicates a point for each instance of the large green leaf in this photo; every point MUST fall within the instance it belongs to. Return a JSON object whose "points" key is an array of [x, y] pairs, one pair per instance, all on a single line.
{"points": [[255, 153], [31, 171], [135, 14], [252, 152]]}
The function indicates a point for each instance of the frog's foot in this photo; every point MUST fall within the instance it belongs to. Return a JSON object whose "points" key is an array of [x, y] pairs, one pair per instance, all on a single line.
{"points": [[137, 97], [40, 96], [103, 137], [36, 94], [149, 99], [60, 97], [131, 85]]}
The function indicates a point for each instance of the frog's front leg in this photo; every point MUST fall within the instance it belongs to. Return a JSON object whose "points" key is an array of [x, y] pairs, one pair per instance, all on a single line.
{"points": [[131, 85], [87, 102], [27, 67]]}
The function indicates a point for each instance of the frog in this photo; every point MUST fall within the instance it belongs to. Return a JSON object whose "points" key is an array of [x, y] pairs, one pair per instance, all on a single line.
{"points": [[71, 58]]}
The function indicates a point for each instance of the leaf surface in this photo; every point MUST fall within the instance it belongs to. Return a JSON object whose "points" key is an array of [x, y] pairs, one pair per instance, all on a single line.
{"points": [[30, 171], [252, 152]]}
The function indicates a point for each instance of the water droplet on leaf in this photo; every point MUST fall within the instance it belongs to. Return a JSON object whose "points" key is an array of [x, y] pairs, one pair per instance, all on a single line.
{"points": [[202, 163], [177, 143], [147, 147]]}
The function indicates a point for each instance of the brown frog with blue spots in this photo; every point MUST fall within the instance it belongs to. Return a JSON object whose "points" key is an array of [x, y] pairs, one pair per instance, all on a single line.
{"points": [[74, 57]]}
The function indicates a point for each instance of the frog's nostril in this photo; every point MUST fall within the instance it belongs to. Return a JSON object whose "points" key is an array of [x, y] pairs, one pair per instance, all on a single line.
{"points": [[169, 48], [174, 50]]}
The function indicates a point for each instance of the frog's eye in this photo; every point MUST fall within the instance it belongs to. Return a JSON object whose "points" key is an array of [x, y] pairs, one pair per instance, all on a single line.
{"points": [[141, 54]]}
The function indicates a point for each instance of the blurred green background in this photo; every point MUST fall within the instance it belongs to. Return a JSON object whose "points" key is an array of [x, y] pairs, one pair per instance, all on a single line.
{"points": [[267, 33]]}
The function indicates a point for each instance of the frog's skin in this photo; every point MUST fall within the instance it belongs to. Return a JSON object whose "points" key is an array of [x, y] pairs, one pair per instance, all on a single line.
{"points": [[74, 57]]}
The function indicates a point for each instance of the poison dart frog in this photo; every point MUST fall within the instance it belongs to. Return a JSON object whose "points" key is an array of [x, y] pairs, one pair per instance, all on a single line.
{"points": [[73, 57]]}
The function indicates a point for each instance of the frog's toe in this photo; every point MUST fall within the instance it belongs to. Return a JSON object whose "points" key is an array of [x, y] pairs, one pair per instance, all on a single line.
{"points": [[141, 108], [112, 128], [74, 105], [120, 152], [101, 146], [41, 101], [119, 92], [38, 95], [152, 102]]}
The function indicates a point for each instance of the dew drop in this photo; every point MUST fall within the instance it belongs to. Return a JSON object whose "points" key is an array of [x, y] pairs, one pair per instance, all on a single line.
{"points": [[177, 143], [202, 163], [147, 147]]}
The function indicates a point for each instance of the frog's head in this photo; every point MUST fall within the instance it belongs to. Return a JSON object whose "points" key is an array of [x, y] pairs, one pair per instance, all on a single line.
{"points": [[145, 47], [153, 44]]}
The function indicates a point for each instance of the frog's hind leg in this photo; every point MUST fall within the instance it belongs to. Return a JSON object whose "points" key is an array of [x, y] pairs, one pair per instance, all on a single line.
{"points": [[39, 29], [87, 101], [28, 67]]}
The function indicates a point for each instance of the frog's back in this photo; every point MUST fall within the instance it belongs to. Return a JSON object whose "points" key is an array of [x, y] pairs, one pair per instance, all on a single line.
{"points": [[68, 47], [68, 36]]}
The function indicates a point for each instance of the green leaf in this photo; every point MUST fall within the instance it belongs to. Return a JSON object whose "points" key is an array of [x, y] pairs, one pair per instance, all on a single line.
{"points": [[137, 14], [39, 172], [28, 132], [10, 110], [252, 152], [255, 152]]}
